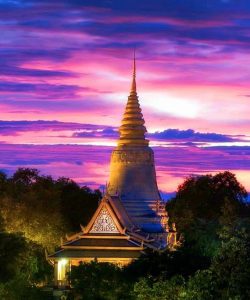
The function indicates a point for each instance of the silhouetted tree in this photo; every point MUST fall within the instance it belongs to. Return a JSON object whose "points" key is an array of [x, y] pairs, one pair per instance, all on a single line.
{"points": [[166, 264], [99, 281], [77, 203], [171, 289], [23, 266], [42, 208], [202, 197], [200, 204]]}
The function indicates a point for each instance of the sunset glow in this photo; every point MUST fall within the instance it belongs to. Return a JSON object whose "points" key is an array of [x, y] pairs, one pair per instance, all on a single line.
{"points": [[66, 73]]}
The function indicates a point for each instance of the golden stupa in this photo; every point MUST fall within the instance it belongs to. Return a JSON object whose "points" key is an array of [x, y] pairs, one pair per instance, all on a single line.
{"points": [[131, 216], [132, 168]]}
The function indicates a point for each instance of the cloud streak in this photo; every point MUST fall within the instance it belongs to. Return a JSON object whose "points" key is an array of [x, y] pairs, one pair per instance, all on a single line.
{"points": [[93, 131], [90, 164]]}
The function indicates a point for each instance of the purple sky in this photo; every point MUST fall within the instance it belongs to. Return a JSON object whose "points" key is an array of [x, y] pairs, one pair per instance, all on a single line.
{"points": [[66, 71]]}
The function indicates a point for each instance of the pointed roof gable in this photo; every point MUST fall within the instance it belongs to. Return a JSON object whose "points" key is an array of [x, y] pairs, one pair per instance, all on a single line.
{"points": [[104, 223], [104, 220]]}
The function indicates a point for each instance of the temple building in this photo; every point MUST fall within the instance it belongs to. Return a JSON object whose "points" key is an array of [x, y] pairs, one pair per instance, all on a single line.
{"points": [[131, 216]]}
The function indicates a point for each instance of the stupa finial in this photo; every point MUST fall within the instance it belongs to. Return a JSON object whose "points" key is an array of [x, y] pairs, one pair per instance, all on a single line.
{"points": [[132, 130], [133, 86]]}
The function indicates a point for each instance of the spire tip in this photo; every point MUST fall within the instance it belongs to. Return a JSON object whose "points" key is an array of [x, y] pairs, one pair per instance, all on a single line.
{"points": [[133, 86]]}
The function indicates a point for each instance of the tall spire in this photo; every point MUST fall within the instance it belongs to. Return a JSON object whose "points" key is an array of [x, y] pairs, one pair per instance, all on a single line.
{"points": [[132, 131], [133, 85]]}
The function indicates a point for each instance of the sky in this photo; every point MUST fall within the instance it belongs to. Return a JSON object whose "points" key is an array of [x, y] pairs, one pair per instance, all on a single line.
{"points": [[65, 73]]}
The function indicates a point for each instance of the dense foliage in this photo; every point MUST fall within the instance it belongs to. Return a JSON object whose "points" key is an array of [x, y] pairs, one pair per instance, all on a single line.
{"points": [[213, 262], [99, 281], [227, 277], [213, 214], [202, 204], [36, 211], [23, 267], [42, 208], [203, 198]]}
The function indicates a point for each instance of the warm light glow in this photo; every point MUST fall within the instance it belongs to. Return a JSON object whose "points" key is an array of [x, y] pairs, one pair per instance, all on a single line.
{"points": [[172, 105], [62, 264]]}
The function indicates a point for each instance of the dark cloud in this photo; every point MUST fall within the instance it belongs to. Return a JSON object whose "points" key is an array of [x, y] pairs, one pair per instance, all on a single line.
{"points": [[8, 86], [10, 56], [182, 162], [60, 102], [187, 137], [189, 10], [14, 127], [182, 20], [38, 91], [191, 135], [106, 132], [9, 70]]}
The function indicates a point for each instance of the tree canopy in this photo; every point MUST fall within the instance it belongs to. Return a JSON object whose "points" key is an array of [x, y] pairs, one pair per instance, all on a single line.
{"points": [[202, 203], [211, 211], [23, 267], [203, 198], [42, 208], [95, 280], [36, 210]]}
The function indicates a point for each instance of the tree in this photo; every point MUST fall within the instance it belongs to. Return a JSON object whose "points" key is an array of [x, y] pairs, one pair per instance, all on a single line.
{"points": [[199, 205], [202, 197], [38, 221], [166, 264], [231, 265], [227, 277], [99, 281], [22, 257], [213, 261], [25, 176], [201, 286], [77, 203], [42, 208], [23, 266], [3, 182], [171, 289], [19, 289]]}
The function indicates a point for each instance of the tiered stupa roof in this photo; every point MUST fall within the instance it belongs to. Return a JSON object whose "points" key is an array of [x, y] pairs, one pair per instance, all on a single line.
{"points": [[132, 130]]}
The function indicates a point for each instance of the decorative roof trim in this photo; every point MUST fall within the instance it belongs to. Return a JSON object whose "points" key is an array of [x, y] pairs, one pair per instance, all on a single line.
{"points": [[104, 204], [133, 248], [112, 237]]}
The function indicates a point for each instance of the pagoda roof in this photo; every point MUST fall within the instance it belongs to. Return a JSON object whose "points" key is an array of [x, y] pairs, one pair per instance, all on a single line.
{"points": [[109, 234], [94, 253], [102, 242], [120, 211]]}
